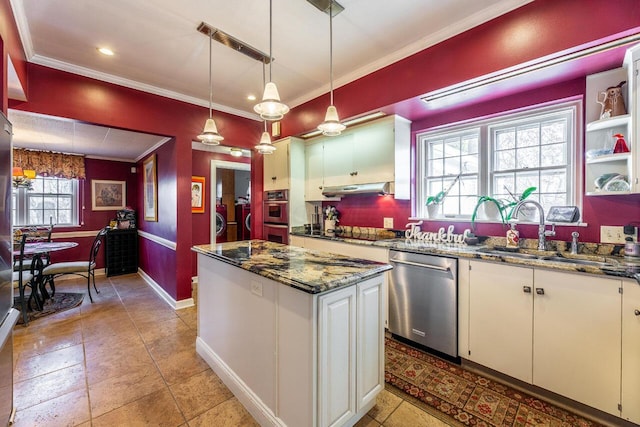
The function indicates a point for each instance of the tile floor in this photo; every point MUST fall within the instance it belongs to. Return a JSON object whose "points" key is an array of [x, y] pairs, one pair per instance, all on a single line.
{"points": [[130, 360]]}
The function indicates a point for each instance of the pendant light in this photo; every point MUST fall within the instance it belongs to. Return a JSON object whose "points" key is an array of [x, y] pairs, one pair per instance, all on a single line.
{"points": [[331, 125], [271, 108], [210, 135], [265, 146]]}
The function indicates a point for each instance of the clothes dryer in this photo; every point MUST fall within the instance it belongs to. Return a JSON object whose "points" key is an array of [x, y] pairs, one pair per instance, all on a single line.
{"points": [[221, 223]]}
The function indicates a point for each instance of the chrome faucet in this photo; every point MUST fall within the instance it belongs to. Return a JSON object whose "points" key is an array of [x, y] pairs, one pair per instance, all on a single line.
{"points": [[574, 242], [542, 232]]}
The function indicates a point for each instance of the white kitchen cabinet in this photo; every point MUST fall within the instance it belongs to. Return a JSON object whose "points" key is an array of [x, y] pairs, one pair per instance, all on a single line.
{"points": [[314, 167], [276, 167], [600, 133], [559, 331], [337, 356], [370, 343], [631, 351], [632, 64], [291, 357], [501, 318], [576, 337], [378, 151], [353, 250]]}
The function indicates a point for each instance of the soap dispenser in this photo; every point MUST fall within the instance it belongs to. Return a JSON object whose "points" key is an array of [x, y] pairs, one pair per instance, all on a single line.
{"points": [[513, 236]]}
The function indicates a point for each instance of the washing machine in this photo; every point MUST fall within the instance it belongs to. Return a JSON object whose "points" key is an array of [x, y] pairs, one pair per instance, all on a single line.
{"points": [[243, 216], [221, 223]]}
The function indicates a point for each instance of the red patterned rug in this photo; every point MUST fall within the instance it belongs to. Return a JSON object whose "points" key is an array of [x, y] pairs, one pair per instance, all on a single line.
{"points": [[465, 398]]}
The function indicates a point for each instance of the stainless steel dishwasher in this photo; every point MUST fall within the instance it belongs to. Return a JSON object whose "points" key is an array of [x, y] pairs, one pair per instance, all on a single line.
{"points": [[423, 300]]}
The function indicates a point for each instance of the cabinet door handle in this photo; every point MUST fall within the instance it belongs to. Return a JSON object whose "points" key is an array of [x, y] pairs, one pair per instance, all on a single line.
{"points": [[273, 178], [636, 312], [526, 289], [320, 187], [355, 173], [540, 291]]}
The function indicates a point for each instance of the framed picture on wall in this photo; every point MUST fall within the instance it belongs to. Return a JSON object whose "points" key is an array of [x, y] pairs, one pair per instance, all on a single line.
{"points": [[150, 188], [108, 195], [197, 194]]}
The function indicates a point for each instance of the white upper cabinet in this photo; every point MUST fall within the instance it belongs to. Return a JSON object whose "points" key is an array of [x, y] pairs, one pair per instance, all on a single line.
{"points": [[276, 167], [632, 63], [377, 151], [600, 160], [314, 182]]}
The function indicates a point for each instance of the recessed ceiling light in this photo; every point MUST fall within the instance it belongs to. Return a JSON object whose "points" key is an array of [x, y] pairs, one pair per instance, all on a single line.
{"points": [[105, 51], [251, 97]]}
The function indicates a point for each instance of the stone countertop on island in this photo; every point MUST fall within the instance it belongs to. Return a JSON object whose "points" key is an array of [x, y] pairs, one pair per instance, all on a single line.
{"points": [[310, 271]]}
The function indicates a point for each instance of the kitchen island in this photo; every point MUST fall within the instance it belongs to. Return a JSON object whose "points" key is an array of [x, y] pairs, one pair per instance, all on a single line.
{"points": [[297, 335]]}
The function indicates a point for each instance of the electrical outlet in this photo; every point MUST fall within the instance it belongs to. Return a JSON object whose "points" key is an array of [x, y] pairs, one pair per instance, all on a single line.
{"points": [[256, 288], [612, 234], [388, 223]]}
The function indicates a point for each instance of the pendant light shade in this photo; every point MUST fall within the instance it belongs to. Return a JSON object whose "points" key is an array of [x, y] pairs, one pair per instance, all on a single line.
{"points": [[271, 108], [210, 135], [265, 146], [331, 125]]}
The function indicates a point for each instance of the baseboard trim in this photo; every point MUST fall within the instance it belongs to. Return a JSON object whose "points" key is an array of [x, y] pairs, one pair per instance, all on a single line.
{"points": [[176, 305], [262, 414]]}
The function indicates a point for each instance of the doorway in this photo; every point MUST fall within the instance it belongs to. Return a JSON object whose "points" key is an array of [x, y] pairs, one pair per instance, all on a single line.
{"points": [[231, 190]]}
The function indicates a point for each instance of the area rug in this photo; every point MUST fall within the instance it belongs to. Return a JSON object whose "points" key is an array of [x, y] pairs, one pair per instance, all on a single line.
{"points": [[460, 397], [61, 301]]}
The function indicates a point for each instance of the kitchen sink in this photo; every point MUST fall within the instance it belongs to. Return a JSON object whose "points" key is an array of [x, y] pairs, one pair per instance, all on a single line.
{"points": [[516, 253], [587, 262]]}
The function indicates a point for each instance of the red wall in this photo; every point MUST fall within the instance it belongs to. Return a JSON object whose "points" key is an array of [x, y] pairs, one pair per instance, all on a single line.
{"points": [[95, 220], [201, 223], [63, 94], [538, 29], [596, 211]]}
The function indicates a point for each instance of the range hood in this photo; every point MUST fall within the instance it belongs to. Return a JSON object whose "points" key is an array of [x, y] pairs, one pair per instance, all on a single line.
{"points": [[373, 188]]}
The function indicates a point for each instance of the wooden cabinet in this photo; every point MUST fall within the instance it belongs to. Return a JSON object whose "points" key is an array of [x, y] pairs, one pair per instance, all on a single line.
{"points": [[501, 318], [559, 331], [377, 151], [121, 252], [631, 351], [276, 167], [576, 337]]}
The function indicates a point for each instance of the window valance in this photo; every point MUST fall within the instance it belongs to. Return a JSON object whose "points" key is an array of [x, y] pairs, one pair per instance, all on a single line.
{"points": [[47, 163]]}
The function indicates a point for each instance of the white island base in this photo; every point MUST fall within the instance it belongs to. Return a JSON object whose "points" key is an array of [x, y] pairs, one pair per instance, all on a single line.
{"points": [[292, 358]]}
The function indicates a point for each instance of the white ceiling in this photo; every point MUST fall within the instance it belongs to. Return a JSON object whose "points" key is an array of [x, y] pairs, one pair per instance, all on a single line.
{"points": [[158, 49]]}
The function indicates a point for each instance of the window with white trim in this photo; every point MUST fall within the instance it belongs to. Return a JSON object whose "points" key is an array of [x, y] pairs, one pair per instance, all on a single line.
{"points": [[50, 200], [501, 157]]}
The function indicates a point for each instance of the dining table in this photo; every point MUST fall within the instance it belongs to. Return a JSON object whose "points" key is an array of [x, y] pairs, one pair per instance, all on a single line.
{"points": [[39, 250]]}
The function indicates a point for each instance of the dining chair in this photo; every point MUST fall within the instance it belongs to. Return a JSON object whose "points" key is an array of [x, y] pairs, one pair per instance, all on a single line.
{"points": [[34, 234], [78, 268], [28, 276]]}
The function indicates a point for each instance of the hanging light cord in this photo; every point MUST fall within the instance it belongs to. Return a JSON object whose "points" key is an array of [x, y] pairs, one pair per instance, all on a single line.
{"points": [[264, 82], [270, 38], [210, 85], [331, 51]]}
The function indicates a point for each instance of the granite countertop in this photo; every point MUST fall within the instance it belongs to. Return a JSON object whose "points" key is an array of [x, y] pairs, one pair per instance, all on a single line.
{"points": [[593, 259], [310, 271]]}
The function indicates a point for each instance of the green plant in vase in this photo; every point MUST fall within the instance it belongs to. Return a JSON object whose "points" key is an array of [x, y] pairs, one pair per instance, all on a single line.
{"points": [[433, 203], [504, 207]]}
